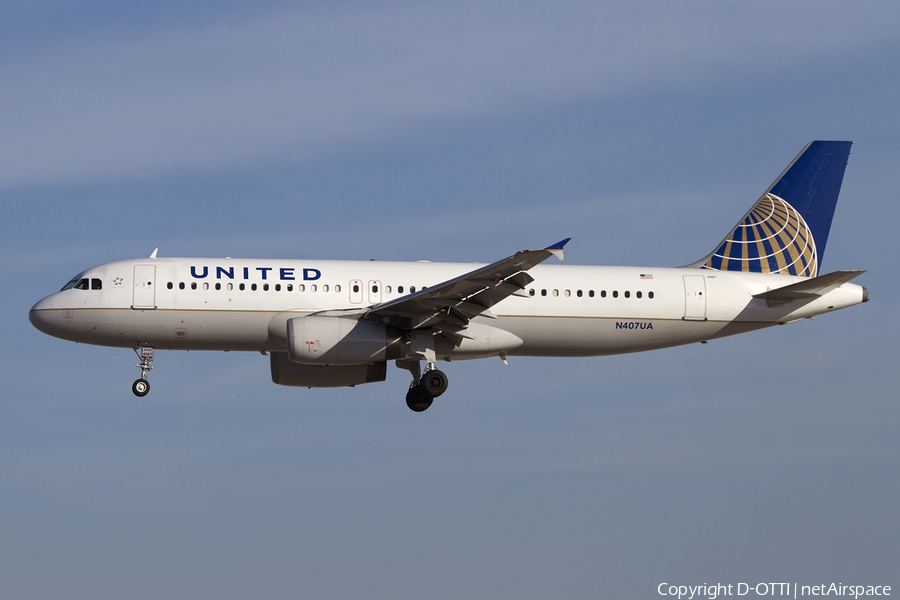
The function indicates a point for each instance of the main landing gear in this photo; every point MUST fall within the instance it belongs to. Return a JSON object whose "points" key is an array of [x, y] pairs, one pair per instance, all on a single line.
{"points": [[141, 387], [424, 388]]}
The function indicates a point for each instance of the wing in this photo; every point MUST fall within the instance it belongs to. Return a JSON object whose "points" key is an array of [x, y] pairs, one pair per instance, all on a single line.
{"points": [[447, 307]]}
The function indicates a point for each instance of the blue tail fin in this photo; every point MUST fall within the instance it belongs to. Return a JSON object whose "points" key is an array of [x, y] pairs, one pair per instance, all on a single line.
{"points": [[786, 230]]}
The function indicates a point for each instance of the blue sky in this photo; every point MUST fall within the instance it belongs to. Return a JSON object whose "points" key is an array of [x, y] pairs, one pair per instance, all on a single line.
{"points": [[404, 131]]}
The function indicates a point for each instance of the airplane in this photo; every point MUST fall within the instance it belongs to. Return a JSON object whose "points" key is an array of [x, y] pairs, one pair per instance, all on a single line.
{"points": [[327, 323]]}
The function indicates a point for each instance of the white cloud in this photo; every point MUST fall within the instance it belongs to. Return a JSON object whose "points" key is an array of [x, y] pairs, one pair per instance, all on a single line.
{"points": [[299, 81]]}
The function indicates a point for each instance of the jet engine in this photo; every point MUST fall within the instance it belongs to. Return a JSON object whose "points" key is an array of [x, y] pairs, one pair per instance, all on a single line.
{"points": [[321, 340], [285, 372]]}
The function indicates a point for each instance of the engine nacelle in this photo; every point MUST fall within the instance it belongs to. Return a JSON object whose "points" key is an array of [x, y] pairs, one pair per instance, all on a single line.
{"points": [[285, 372], [317, 340]]}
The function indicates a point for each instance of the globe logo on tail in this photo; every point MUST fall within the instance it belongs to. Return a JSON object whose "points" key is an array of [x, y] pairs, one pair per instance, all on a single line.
{"points": [[772, 238]]}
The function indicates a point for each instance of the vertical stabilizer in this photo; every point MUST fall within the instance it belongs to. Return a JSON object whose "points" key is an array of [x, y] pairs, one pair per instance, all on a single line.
{"points": [[786, 230]]}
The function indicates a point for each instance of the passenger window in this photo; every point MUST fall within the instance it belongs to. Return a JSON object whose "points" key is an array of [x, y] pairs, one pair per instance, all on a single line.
{"points": [[603, 294], [374, 289], [229, 286], [290, 287], [241, 287], [265, 287], [555, 293], [193, 285], [337, 288], [531, 292], [591, 293], [568, 293], [387, 289], [218, 286], [96, 284], [650, 295], [638, 294], [205, 285], [399, 289], [412, 289], [181, 285], [615, 293], [628, 294], [578, 293], [169, 285], [252, 287], [301, 288], [325, 288], [543, 292], [312, 287], [277, 287]]}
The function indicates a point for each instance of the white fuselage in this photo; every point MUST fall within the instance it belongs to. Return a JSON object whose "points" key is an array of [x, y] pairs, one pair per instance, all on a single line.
{"points": [[571, 310]]}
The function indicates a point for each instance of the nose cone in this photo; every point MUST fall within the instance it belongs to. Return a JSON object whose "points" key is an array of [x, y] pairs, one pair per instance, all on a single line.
{"points": [[41, 315]]}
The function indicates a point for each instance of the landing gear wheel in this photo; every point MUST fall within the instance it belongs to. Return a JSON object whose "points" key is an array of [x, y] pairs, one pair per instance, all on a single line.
{"points": [[434, 383], [140, 388], [417, 399]]}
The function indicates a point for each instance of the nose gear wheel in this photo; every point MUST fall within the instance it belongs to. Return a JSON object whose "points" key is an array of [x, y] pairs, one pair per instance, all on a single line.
{"points": [[141, 387]]}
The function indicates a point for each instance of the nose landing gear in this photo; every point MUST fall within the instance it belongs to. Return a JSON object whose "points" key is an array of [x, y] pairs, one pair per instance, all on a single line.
{"points": [[141, 387]]}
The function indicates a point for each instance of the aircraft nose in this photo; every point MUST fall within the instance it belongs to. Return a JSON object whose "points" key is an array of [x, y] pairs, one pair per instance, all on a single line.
{"points": [[39, 315]]}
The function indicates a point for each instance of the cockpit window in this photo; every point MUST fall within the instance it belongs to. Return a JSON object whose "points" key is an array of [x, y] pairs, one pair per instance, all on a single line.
{"points": [[83, 283]]}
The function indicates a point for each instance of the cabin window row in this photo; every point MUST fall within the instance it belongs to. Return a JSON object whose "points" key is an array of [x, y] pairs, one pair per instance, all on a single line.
{"points": [[590, 293], [278, 287], [388, 289], [253, 287], [96, 284]]}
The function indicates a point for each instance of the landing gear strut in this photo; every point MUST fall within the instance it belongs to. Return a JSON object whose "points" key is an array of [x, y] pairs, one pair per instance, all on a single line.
{"points": [[424, 388], [141, 387]]}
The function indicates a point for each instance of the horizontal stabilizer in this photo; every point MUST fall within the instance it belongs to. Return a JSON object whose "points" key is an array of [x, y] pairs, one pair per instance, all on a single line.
{"points": [[817, 286]]}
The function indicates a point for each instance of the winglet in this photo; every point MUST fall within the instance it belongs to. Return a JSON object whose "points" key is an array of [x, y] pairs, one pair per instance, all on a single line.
{"points": [[557, 248]]}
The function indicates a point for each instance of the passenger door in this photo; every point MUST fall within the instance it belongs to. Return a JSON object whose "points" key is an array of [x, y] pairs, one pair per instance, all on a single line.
{"points": [[144, 287], [694, 298]]}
